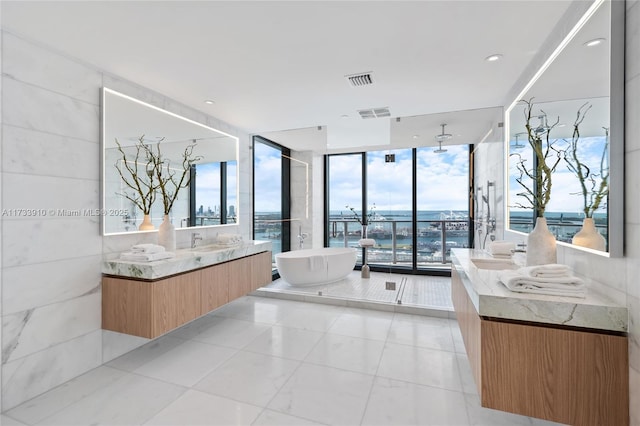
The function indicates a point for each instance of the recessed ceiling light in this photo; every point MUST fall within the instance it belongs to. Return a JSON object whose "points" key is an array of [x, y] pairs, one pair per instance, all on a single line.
{"points": [[415, 136], [493, 58], [594, 42], [209, 102], [343, 116]]}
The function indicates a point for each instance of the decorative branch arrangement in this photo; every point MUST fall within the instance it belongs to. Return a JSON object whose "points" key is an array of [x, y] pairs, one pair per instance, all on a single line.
{"points": [[364, 220], [141, 182], [594, 186], [158, 175], [169, 180], [547, 158]]}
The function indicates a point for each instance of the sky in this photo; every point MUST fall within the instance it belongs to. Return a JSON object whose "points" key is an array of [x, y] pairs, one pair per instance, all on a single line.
{"points": [[441, 183], [389, 184], [267, 179], [208, 185]]}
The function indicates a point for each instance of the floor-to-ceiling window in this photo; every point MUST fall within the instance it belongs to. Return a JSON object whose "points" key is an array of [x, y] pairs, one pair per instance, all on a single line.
{"points": [[345, 199], [415, 203], [390, 195], [442, 202], [271, 194]]}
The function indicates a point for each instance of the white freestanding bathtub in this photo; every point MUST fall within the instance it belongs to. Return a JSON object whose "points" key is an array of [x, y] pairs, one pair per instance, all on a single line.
{"points": [[316, 266]]}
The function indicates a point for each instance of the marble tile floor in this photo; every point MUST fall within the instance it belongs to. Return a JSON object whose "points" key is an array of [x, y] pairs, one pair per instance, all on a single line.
{"points": [[267, 361], [420, 294]]}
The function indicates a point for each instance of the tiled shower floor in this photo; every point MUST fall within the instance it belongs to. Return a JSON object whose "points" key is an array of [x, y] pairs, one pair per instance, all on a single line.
{"points": [[428, 293]]}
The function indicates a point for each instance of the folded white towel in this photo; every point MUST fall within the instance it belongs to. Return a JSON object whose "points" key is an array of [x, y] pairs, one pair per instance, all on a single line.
{"points": [[146, 257], [367, 242], [317, 263], [505, 248], [147, 248], [552, 270], [565, 286], [502, 256]]}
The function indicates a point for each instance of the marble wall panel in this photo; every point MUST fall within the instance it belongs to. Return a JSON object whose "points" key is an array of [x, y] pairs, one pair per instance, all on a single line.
{"points": [[34, 108], [30, 241], [32, 375], [632, 187], [33, 330], [31, 286], [632, 109], [44, 154], [56, 197], [39, 66], [632, 42]]}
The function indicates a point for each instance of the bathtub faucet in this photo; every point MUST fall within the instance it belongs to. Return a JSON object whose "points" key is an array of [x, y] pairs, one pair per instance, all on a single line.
{"points": [[301, 237]]}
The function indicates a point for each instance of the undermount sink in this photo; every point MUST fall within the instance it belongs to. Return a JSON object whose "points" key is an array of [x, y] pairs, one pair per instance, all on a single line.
{"points": [[494, 264], [212, 247], [215, 247]]}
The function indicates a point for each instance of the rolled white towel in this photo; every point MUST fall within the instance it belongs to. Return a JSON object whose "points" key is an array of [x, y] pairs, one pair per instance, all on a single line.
{"points": [[367, 242], [566, 286], [146, 257], [551, 270], [502, 248], [147, 248]]}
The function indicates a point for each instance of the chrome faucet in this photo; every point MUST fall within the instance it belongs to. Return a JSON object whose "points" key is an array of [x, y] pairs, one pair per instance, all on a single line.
{"points": [[301, 237], [195, 237]]}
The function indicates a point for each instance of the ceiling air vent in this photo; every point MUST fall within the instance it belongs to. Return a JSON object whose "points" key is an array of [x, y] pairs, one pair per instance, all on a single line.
{"points": [[361, 79], [374, 112]]}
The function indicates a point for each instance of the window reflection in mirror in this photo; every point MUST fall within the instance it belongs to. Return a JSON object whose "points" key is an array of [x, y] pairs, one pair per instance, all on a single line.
{"points": [[566, 209], [584, 77], [213, 174], [213, 205]]}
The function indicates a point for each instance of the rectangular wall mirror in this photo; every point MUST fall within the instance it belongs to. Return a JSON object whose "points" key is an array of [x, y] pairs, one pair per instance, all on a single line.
{"points": [[579, 87], [209, 196]]}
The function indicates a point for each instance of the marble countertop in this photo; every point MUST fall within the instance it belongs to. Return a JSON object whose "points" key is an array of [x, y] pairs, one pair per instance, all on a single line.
{"points": [[492, 299], [184, 261]]}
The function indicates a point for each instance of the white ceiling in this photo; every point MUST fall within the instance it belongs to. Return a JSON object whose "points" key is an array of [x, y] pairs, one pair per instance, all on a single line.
{"points": [[274, 66]]}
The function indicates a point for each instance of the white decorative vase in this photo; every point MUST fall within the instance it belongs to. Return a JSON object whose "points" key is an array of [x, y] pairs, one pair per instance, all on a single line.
{"points": [[146, 224], [589, 236], [167, 234], [541, 245]]}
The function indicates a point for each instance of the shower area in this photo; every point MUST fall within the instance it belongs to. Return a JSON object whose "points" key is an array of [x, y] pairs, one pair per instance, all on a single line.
{"points": [[410, 228], [382, 291]]}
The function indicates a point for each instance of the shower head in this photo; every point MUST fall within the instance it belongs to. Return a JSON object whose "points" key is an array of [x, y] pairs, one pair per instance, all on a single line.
{"points": [[518, 145], [441, 138], [440, 150]]}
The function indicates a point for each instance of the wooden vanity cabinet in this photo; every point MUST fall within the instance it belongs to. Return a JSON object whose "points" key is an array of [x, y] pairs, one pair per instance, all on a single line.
{"points": [[150, 308], [214, 287], [566, 375]]}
